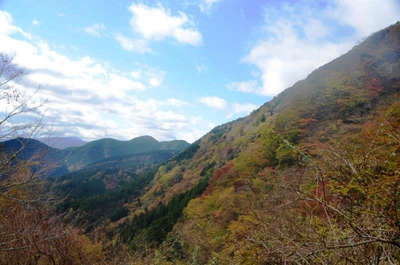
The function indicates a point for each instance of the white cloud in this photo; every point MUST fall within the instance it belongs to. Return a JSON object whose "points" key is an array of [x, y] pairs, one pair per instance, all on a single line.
{"points": [[133, 45], [90, 99], [7, 26], [244, 107], [214, 102], [300, 38], [365, 16], [155, 82], [241, 109], [315, 29], [205, 5], [35, 22], [96, 30], [251, 86], [136, 74], [176, 102], [153, 77], [201, 68], [158, 23], [288, 58]]}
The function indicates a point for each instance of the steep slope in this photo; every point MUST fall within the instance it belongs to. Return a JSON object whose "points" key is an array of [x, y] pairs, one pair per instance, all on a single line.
{"points": [[343, 91], [263, 204]]}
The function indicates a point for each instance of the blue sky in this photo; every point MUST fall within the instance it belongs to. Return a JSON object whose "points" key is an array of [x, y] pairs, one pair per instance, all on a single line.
{"points": [[173, 69]]}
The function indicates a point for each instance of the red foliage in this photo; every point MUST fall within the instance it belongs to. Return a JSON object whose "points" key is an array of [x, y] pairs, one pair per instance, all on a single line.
{"points": [[227, 169], [374, 86]]}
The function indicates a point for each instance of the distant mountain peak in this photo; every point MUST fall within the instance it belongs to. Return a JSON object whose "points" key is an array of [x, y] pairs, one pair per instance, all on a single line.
{"points": [[144, 137], [62, 142]]}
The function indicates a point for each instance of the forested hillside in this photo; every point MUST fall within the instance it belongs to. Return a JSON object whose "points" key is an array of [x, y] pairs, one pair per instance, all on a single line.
{"points": [[311, 177], [97, 193]]}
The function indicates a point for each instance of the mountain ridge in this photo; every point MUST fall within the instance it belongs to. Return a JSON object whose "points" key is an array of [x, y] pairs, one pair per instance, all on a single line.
{"points": [[78, 157]]}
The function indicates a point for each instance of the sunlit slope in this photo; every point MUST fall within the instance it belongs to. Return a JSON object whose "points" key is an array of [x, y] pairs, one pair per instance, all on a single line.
{"points": [[279, 141]]}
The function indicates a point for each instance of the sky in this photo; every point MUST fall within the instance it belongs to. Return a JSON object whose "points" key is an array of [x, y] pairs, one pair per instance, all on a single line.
{"points": [[172, 69]]}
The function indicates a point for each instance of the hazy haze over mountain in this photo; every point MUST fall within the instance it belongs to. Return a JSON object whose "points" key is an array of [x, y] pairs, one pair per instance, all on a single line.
{"points": [[62, 142]]}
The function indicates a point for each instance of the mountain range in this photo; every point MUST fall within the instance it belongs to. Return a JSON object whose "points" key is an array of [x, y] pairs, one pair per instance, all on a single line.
{"points": [[75, 158]]}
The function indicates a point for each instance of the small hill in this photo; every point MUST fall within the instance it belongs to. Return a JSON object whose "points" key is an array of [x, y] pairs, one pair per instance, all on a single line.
{"points": [[44, 159]]}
